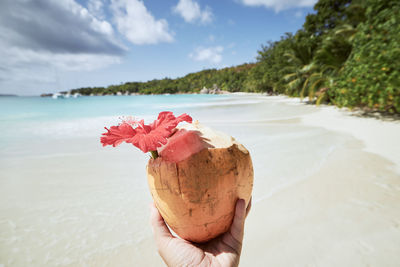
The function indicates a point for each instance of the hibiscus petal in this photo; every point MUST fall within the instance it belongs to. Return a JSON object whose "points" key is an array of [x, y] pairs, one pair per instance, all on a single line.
{"points": [[145, 137], [184, 117], [117, 134], [147, 142], [166, 122]]}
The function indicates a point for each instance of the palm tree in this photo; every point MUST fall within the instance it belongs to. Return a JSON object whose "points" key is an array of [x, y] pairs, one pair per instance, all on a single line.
{"points": [[330, 58], [299, 77], [300, 67]]}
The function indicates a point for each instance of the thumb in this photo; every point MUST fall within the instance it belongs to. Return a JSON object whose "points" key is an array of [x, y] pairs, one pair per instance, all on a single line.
{"points": [[159, 228], [237, 227]]}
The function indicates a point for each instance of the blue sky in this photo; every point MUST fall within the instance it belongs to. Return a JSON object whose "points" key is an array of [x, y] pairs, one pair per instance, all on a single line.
{"points": [[55, 45]]}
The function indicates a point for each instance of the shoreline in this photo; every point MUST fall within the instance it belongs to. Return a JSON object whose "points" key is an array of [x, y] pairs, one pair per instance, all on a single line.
{"points": [[347, 213], [375, 133]]}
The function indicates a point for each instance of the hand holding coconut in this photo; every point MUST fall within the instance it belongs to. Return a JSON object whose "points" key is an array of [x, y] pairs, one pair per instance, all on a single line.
{"points": [[221, 251], [196, 176]]}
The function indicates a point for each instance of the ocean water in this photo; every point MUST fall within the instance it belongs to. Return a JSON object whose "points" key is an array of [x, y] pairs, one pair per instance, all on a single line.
{"points": [[36, 115], [67, 201]]}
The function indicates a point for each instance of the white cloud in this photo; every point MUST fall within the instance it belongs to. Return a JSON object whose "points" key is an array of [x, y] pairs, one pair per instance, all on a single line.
{"points": [[40, 37], [137, 24], [191, 12], [42, 72], [34, 65], [279, 5], [95, 7], [57, 26], [210, 54], [33, 72]]}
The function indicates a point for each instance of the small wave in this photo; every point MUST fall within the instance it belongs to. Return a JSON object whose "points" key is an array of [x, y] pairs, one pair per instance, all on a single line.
{"points": [[20, 116], [260, 121], [299, 178], [208, 104], [83, 127]]}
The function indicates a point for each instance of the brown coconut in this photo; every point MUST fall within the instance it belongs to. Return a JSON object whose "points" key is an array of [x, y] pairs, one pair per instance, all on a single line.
{"points": [[196, 196]]}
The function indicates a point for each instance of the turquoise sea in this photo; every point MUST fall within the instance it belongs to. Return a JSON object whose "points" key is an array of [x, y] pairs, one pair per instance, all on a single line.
{"points": [[29, 117], [66, 200]]}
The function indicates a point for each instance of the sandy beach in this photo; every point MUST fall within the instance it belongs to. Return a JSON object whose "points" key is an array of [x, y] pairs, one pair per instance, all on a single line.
{"points": [[345, 214], [326, 190]]}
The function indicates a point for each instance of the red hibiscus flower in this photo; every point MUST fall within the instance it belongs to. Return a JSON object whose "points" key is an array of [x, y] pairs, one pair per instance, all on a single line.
{"points": [[145, 137]]}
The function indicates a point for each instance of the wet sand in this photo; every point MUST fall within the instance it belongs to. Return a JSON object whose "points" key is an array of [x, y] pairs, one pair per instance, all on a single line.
{"points": [[345, 214]]}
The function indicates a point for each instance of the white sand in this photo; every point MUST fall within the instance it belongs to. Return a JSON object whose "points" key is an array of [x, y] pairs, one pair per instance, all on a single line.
{"points": [[345, 214], [326, 191], [378, 136]]}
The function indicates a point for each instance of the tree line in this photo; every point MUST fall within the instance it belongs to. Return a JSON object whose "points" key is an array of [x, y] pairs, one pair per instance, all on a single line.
{"points": [[347, 53]]}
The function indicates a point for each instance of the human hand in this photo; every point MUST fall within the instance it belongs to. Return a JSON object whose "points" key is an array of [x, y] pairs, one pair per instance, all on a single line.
{"points": [[224, 250]]}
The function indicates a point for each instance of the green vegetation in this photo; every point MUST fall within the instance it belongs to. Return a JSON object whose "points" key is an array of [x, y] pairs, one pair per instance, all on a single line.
{"points": [[347, 53], [228, 79], [371, 76]]}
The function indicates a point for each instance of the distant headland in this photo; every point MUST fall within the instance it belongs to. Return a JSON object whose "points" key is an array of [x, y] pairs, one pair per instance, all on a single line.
{"points": [[7, 95]]}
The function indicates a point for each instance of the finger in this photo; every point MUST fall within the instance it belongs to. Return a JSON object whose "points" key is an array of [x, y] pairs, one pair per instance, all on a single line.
{"points": [[159, 227], [249, 206], [238, 221]]}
